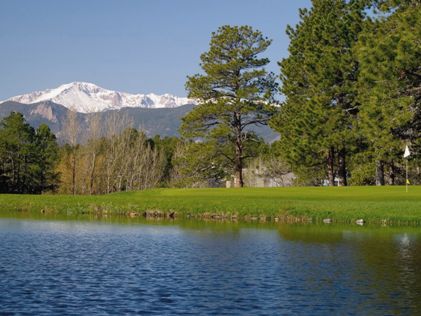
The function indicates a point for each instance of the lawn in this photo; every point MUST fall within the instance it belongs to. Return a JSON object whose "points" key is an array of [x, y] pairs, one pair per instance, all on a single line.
{"points": [[342, 204]]}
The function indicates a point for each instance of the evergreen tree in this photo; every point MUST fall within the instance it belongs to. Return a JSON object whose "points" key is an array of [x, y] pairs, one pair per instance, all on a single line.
{"points": [[168, 146], [27, 158], [389, 53], [235, 92], [18, 158], [48, 156], [319, 83]]}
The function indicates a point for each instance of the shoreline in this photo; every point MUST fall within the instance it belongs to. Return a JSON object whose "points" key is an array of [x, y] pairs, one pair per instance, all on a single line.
{"points": [[205, 218], [345, 205]]}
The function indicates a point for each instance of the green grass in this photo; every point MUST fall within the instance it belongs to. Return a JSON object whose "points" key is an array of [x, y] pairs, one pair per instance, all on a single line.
{"points": [[343, 204]]}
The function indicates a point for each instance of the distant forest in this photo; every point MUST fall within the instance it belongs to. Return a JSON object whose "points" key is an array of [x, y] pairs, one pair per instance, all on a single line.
{"points": [[352, 103]]}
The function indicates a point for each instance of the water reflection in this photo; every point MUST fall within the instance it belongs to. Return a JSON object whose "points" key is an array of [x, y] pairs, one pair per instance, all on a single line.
{"points": [[380, 266], [82, 267]]}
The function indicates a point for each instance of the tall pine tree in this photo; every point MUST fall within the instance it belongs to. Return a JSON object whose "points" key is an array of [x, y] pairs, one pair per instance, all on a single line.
{"points": [[27, 157], [319, 83], [48, 156], [235, 92], [389, 52]]}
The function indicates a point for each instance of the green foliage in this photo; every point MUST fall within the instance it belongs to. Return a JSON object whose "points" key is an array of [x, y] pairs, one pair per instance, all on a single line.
{"points": [[319, 82], [389, 53], [235, 92], [198, 164], [48, 152], [362, 170], [168, 147], [353, 89], [27, 157]]}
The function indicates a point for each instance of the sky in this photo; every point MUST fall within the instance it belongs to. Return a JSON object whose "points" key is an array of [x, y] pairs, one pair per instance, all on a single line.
{"points": [[137, 46]]}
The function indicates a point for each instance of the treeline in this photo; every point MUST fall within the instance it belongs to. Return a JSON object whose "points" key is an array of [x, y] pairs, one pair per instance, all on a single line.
{"points": [[352, 88], [28, 157], [123, 162], [130, 161], [122, 159], [352, 83]]}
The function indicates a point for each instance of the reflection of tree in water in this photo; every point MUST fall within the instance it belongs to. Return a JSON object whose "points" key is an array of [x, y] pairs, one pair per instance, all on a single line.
{"points": [[392, 261], [311, 233], [370, 271]]}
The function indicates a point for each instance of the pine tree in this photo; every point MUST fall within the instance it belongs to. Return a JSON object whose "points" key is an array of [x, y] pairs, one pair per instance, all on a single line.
{"points": [[235, 92], [389, 53], [18, 155], [319, 83], [48, 156], [27, 157]]}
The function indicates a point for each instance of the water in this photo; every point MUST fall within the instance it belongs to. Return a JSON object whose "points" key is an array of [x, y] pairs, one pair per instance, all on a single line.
{"points": [[74, 267]]}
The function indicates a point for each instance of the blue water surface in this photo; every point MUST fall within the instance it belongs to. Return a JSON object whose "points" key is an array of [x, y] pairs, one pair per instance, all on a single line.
{"points": [[90, 268]]}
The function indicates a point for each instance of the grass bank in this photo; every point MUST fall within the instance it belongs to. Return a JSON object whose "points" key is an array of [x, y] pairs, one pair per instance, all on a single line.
{"points": [[342, 204]]}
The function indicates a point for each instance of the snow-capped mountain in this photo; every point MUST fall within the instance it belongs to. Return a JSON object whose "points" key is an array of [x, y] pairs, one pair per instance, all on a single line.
{"points": [[87, 97]]}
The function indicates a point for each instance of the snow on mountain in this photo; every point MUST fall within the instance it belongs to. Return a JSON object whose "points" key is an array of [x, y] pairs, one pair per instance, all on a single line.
{"points": [[87, 97]]}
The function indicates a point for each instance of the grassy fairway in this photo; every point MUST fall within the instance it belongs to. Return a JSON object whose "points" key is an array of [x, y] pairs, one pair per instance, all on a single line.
{"points": [[343, 204]]}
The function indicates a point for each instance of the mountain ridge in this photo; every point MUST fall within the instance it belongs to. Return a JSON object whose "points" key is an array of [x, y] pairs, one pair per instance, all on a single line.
{"points": [[153, 121], [154, 114], [85, 97], [156, 121]]}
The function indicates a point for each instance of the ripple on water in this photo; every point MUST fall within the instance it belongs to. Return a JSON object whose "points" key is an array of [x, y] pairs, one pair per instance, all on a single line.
{"points": [[90, 268]]}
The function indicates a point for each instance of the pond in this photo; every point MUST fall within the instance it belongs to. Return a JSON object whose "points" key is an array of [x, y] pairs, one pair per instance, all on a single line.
{"points": [[90, 267]]}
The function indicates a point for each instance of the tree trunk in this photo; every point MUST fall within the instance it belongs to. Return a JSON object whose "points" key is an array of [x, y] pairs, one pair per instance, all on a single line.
{"points": [[343, 181], [238, 181], [392, 174], [380, 173], [74, 172], [330, 167], [108, 184], [92, 174], [14, 180]]}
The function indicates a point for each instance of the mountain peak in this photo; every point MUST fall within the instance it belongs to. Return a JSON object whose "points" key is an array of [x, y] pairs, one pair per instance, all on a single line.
{"points": [[86, 97]]}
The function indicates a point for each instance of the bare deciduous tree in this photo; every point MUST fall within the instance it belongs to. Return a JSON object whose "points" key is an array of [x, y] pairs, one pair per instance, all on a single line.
{"points": [[71, 131]]}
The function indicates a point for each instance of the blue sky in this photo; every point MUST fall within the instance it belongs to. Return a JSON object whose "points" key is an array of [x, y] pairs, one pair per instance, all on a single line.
{"points": [[128, 45]]}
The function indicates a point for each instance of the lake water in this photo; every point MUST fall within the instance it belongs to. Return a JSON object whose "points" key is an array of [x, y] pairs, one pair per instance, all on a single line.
{"points": [[85, 267]]}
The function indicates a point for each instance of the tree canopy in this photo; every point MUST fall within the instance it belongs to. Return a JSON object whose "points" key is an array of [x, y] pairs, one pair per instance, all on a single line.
{"points": [[319, 82], [235, 92], [28, 157]]}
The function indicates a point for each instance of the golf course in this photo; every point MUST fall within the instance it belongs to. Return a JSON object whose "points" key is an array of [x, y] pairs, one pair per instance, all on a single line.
{"points": [[377, 205]]}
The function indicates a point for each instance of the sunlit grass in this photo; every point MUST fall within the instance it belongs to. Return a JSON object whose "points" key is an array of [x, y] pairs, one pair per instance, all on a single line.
{"points": [[339, 203]]}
